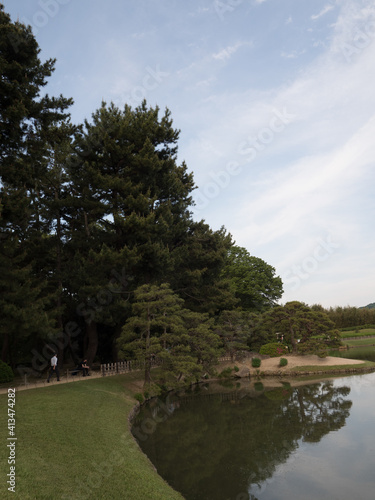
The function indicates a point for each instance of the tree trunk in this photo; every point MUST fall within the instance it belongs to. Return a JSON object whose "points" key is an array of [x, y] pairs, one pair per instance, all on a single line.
{"points": [[114, 344], [91, 341]]}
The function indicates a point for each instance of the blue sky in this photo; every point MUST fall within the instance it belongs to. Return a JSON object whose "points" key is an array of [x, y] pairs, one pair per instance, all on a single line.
{"points": [[276, 106]]}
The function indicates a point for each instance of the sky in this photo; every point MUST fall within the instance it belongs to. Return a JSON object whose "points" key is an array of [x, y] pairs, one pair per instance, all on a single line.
{"points": [[276, 106]]}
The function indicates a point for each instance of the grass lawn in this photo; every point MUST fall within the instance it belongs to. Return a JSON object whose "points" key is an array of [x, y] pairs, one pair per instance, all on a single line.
{"points": [[73, 442], [360, 333], [365, 364], [360, 342]]}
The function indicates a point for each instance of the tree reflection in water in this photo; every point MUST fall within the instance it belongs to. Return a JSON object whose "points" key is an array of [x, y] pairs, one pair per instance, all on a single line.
{"points": [[215, 447]]}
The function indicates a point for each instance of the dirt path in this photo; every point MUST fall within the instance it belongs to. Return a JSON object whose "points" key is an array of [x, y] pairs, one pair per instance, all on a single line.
{"points": [[268, 365]]}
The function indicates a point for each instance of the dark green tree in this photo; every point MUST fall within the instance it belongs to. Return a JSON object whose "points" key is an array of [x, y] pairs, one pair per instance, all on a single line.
{"points": [[233, 329], [28, 124], [155, 313], [130, 199], [161, 328], [299, 324]]}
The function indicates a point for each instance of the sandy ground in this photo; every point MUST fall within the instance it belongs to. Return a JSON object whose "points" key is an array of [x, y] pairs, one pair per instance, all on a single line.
{"points": [[272, 364]]}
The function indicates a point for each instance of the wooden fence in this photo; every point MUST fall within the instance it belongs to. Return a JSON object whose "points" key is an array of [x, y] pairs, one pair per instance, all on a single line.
{"points": [[124, 367], [128, 366]]}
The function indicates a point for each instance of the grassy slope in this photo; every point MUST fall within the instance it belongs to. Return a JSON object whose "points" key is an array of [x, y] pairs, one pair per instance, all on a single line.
{"points": [[359, 333], [360, 342], [73, 442], [337, 368]]}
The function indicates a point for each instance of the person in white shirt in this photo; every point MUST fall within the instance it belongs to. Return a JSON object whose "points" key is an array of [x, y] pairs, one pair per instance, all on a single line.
{"points": [[54, 368]]}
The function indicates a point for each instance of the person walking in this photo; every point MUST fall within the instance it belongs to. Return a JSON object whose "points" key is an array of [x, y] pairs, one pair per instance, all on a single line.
{"points": [[54, 368]]}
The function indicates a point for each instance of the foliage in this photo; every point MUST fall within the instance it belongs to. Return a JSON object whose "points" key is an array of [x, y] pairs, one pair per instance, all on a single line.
{"points": [[350, 317], [233, 329], [182, 340], [273, 349], [256, 362], [31, 128], [297, 323], [139, 397], [313, 346], [252, 280], [6, 372], [283, 362], [226, 372]]}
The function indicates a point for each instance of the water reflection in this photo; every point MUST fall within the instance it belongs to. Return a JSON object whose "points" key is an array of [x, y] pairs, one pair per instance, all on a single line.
{"points": [[221, 444]]}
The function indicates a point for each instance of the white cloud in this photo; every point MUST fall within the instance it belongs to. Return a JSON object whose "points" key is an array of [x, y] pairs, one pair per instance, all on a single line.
{"points": [[323, 12], [227, 53]]}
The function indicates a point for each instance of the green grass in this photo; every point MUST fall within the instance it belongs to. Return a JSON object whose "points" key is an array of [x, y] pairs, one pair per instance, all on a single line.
{"points": [[360, 333], [360, 342], [73, 442], [312, 368]]}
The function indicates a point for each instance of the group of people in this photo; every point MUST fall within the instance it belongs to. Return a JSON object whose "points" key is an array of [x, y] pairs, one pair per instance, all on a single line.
{"points": [[54, 369]]}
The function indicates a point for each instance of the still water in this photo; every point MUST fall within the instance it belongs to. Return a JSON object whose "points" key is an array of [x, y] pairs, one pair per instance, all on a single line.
{"points": [[266, 440]]}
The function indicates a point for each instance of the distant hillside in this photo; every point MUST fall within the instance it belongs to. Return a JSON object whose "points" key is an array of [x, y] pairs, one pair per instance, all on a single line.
{"points": [[369, 306]]}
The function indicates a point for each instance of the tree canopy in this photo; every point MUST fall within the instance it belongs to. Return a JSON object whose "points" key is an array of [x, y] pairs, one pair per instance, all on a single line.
{"points": [[252, 280]]}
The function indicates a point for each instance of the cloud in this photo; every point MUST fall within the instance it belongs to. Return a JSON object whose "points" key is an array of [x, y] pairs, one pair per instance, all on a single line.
{"points": [[323, 12], [227, 53], [293, 55]]}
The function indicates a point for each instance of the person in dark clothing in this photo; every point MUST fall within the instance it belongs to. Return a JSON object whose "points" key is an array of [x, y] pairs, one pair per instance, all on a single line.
{"points": [[84, 367], [54, 368]]}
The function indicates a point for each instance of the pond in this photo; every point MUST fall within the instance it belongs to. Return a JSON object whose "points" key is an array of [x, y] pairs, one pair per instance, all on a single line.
{"points": [[265, 439]]}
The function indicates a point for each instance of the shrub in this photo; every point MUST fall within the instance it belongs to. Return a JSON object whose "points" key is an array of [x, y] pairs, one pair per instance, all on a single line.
{"points": [[313, 346], [283, 362], [139, 397], [273, 349], [255, 362], [6, 372], [236, 369]]}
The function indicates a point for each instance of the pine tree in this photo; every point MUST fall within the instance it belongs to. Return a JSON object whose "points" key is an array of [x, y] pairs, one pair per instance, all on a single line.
{"points": [[28, 127], [131, 204]]}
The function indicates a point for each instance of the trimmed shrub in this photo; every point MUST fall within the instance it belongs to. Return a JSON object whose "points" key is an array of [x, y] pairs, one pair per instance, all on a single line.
{"points": [[273, 349], [6, 373], [283, 362], [255, 362]]}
